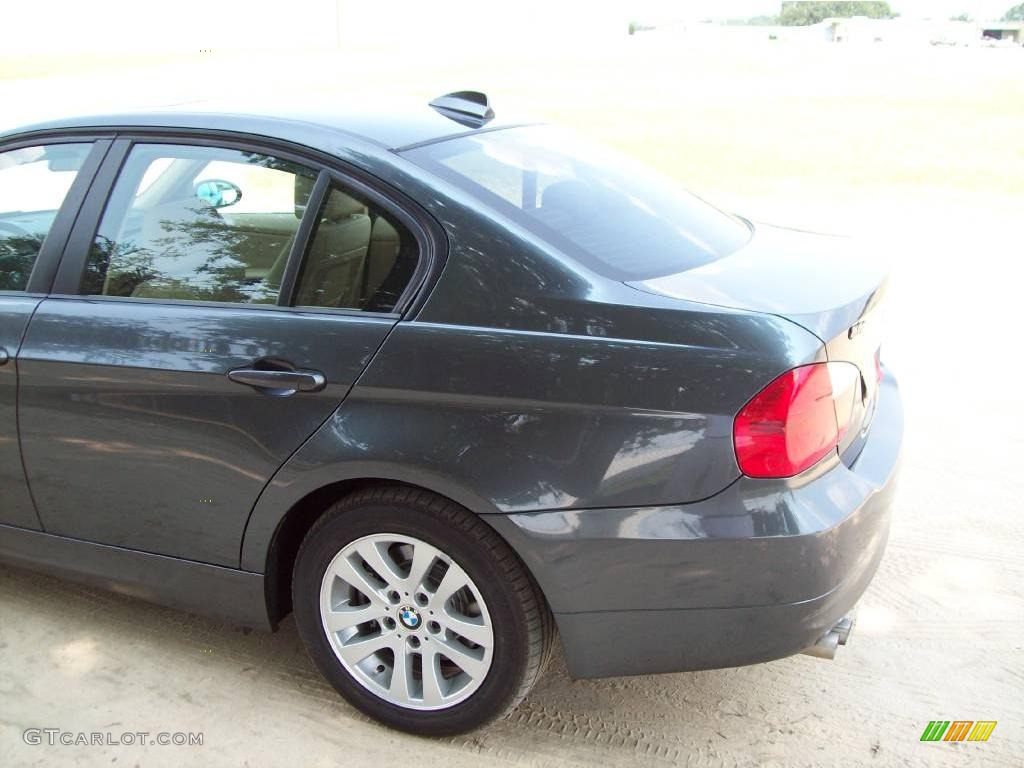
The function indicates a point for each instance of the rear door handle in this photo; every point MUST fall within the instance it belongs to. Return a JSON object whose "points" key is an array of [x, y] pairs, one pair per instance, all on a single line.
{"points": [[4, 357], [279, 383]]}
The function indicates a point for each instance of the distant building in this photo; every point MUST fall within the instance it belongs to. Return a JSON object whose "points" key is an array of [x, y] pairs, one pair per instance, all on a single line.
{"points": [[1012, 31], [861, 29]]}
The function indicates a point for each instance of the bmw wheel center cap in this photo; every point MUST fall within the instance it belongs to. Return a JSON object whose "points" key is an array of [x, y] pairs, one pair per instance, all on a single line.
{"points": [[409, 617]]}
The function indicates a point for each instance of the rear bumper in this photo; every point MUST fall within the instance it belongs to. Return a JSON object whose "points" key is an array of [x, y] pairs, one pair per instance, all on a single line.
{"points": [[754, 573]]}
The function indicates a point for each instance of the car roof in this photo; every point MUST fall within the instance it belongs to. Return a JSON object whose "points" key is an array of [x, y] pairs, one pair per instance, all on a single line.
{"points": [[388, 126]]}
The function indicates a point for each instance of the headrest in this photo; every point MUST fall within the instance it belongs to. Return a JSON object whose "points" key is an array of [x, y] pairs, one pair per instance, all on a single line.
{"points": [[339, 206]]}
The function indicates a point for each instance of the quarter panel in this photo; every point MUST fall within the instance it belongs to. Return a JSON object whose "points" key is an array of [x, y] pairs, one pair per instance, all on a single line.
{"points": [[542, 421]]}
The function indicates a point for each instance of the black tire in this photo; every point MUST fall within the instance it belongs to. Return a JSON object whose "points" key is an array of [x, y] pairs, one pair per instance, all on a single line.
{"points": [[522, 624]]}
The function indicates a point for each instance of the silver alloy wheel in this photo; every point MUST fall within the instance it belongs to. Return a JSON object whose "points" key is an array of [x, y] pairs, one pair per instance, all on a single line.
{"points": [[406, 621]]}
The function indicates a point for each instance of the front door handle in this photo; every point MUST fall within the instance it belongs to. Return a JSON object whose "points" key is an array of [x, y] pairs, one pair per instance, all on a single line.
{"points": [[279, 383], [4, 357]]}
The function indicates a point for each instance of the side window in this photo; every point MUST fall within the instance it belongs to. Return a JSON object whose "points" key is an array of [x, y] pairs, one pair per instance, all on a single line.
{"points": [[359, 258], [33, 184], [197, 223]]}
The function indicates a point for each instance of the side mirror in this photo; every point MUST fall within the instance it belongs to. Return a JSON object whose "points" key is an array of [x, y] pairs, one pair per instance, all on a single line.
{"points": [[217, 193]]}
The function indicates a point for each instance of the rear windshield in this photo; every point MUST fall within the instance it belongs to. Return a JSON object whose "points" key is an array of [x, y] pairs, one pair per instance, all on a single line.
{"points": [[614, 215]]}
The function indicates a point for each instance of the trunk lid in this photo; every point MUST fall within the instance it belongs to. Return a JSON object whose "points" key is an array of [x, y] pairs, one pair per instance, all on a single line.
{"points": [[824, 283]]}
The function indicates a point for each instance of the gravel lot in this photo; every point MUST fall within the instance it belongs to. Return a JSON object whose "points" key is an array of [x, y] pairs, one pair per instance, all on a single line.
{"points": [[939, 633]]}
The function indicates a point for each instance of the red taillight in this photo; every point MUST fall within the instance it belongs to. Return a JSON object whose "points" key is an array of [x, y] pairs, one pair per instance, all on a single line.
{"points": [[791, 424]]}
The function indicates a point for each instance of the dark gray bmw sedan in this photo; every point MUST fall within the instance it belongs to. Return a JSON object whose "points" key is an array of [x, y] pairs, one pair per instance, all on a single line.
{"points": [[439, 385]]}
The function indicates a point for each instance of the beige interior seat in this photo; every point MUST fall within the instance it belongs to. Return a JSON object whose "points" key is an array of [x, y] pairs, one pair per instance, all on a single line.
{"points": [[333, 273]]}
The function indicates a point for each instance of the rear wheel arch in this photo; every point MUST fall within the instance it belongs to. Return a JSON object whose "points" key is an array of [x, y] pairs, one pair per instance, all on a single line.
{"points": [[302, 516], [288, 536]]}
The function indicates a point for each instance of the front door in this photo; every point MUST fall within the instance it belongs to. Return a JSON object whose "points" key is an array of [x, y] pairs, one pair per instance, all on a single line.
{"points": [[34, 184], [158, 400]]}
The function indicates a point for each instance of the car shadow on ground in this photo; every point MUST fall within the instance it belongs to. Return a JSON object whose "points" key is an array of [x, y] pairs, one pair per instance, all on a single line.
{"points": [[102, 631]]}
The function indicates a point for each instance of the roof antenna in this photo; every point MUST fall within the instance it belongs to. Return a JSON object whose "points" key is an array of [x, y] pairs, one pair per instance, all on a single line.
{"points": [[469, 108]]}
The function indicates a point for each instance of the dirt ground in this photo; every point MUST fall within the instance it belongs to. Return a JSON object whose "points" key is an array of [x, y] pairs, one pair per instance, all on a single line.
{"points": [[940, 629]]}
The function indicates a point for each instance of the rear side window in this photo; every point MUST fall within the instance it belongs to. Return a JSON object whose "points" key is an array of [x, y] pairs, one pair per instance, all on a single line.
{"points": [[612, 214], [33, 184], [360, 257], [197, 223]]}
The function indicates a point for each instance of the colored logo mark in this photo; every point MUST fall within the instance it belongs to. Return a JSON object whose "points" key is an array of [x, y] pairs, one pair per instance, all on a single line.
{"points": [[958, 730]]}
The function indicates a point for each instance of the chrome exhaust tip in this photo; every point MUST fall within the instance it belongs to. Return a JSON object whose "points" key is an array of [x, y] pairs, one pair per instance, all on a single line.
{"points": [[827, 644]]}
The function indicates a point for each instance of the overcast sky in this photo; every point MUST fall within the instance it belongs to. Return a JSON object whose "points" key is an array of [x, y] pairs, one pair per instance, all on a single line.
{"points": [[191, 25]]}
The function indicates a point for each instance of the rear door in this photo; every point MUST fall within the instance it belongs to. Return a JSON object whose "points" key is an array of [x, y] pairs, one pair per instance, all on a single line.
{"points": [[42, 182], [170, 373]]}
